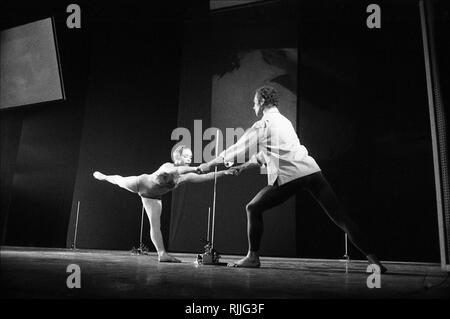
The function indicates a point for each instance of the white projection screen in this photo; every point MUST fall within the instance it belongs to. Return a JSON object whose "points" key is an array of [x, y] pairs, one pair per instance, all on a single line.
{"points": [[237, 75], [29, 66]]}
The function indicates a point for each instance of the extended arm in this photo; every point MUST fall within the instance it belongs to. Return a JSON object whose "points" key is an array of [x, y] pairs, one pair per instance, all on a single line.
{"points": [[253, 162], [182, 170], [171, 169], [257, 160], [247, 142], [196, 178]]}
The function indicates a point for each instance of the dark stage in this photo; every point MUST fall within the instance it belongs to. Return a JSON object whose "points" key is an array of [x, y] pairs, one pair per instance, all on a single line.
{"points": [[300, 131], [41, 273]]}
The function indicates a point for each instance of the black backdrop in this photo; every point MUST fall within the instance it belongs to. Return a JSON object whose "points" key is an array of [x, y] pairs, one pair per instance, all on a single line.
{"points": [[121, 72], [130, 114], [362, 111], [40, 143]]}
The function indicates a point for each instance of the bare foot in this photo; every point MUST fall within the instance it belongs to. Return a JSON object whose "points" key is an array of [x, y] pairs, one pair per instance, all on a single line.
{"points": [[99, 176], [246, 262], [374, 260], [166, 258]]}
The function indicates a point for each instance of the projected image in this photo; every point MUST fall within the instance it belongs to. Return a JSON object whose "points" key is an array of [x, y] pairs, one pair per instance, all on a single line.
{"points": [[235, 75], [29, 65], [238, 74]]}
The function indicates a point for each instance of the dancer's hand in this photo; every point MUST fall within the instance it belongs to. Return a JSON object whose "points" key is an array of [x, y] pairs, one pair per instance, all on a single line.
{"points": [[203, 168], [234, 171], [207, 167], [231, 171]]}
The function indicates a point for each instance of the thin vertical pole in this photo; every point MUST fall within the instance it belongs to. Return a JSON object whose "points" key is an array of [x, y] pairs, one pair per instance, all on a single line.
{"points": [[428, 48], [346, 247], [215, 187], [346, 256], [76, 226], [142, 224], [209, 223]]}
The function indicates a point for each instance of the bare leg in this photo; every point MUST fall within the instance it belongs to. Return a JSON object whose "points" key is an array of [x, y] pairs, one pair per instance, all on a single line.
{"points": [[129, 182], [153, 208]]}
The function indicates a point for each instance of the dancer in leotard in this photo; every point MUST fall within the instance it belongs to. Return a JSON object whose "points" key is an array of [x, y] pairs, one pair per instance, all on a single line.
{"points": [[151, 187]]}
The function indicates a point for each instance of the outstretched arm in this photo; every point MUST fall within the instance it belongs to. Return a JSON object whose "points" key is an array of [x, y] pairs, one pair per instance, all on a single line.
{"points": [[182, 170], [242, 146], [256, 161], [248, 165], [196, 178], [171, 169]]}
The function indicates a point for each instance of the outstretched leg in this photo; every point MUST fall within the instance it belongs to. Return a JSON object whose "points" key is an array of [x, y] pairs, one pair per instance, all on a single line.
{"points": [[322, 192], [129, 183], [268, 197], [153, 207]]}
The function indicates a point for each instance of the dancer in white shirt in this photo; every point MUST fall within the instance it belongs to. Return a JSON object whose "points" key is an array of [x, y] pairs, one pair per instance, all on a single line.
{"points": [[289, 169]]}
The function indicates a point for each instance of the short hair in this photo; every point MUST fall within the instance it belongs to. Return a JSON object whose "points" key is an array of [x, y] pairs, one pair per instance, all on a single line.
{"points": [[269, 94], [176, 154]]}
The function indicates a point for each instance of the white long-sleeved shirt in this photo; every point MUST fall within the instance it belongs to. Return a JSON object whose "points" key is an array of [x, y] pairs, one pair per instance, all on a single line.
{"points": [[275, 138]]}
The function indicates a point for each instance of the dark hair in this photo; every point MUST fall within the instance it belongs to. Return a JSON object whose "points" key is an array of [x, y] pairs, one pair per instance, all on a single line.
{"points": [[269, 94]]}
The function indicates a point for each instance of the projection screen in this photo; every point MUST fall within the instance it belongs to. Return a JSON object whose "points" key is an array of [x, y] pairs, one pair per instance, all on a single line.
{"points": [[30, 70]]}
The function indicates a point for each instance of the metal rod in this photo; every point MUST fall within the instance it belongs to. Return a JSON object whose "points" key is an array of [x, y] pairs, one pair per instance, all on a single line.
{"points": [[214, 207], [346, 246], [428, 48], [209, 223], [215, 187], [76, 226], [142, 224], [346, 256]]}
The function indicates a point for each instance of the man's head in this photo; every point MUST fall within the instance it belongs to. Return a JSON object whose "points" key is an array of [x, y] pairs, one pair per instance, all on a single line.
{"points": [[182, 156], [265, 98]]}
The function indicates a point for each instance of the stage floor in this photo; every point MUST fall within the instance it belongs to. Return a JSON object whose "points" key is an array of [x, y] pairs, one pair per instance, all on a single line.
{"points": [[41, 273]]}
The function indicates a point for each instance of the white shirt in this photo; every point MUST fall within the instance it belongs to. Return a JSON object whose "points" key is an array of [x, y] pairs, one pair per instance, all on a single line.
{"points": [[275, 138]]}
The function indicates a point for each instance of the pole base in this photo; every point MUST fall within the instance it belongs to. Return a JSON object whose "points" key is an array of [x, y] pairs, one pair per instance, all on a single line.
{"points": [[141, 250], [209, 257]]}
